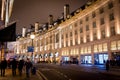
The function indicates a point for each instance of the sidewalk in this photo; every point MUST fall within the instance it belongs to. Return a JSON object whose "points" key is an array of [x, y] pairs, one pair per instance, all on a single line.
{"points": [[8, 76]]}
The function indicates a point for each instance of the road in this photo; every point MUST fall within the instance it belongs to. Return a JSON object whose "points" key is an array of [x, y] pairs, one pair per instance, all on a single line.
{"points": [[72, 72]]}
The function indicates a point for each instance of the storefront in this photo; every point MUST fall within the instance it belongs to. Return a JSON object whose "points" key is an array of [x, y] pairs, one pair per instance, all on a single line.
{"points": [[116, 56], [65, 59], [86, 59], [100, 58], [74, 59]]}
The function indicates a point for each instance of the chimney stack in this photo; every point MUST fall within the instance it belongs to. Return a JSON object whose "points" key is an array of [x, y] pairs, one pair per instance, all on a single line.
{"points": [[36, 26], [50, 20], [23, 31], [66, 11]]}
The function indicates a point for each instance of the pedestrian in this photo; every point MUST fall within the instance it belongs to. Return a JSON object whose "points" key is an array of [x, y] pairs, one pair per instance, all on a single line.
{"points": [[61, 62], [28, 65], [20, 66], [34, 70], [3, 67], [107, 65], [14, 67]]}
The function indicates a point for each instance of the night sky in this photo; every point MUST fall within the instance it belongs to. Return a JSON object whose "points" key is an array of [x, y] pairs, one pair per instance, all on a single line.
{"points": [[27, 12]]}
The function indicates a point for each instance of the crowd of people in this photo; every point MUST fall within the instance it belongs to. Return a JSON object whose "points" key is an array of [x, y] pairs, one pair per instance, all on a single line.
{"points": [[15, 65], [112, 63]]}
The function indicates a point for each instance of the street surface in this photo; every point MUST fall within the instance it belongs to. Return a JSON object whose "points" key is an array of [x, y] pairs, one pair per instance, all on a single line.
{"points": [[73, 72]]}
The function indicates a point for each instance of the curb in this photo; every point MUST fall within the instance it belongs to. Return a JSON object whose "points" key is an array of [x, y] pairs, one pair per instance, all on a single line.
{"points": [[41, 76]]}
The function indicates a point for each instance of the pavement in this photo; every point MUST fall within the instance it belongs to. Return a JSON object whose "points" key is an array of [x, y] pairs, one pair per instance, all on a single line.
{"points": [[8, 76]]}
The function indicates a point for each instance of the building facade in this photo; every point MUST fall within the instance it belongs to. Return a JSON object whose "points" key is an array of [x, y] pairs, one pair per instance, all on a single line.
{"points": [[91, 36]]}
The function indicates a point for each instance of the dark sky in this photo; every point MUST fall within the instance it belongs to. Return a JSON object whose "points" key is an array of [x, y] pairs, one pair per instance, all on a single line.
{"points": [[27, 12]]}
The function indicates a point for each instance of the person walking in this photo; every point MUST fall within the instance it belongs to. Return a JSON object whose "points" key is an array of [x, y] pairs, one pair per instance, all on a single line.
{"points": [[3, 67], [20, 66], [107, 65], [28, 65], [14, 66]]}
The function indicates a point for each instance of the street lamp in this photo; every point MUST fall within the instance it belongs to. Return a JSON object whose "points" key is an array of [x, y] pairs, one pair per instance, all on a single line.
{"points": [[32, 36]]}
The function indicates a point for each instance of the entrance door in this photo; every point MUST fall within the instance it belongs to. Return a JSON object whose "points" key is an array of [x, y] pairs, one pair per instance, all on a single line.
{"points": [[88, 59], [101, 59]]}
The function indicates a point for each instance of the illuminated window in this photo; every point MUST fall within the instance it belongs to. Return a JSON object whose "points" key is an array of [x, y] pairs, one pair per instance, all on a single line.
{"points": [[82, 50], [101, 10], [93, 15], [102, 21], [94, 24], [112, 31], [118, 45], [111, 17], [95, 48], [110, 5], [113, 45], [89, 49], [71, 27], [100, 47], [85, 50]]}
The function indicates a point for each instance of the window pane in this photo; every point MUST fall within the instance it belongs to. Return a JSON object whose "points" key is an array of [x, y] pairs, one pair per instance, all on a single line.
{"points": [[101, 10], [93, 14], [110, 5], [81, 22], [94, 24], [87, 27], [81, 30], [102, 21], [87, 18], [111, 16], [112, 31]]}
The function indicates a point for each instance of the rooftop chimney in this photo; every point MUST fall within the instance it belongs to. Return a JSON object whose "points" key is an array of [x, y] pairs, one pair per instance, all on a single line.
{"points": [[50, 20], [66, 11], [36, 26], [23, 31]]}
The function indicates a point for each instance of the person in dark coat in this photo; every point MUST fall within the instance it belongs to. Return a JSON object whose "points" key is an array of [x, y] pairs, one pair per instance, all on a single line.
{"points": [[28, 65], [14, 66], [107, 65], [20, 66], [3, 67]]}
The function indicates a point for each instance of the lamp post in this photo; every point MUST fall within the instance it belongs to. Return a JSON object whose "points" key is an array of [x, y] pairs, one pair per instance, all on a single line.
{"points": [[32, 36]]}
